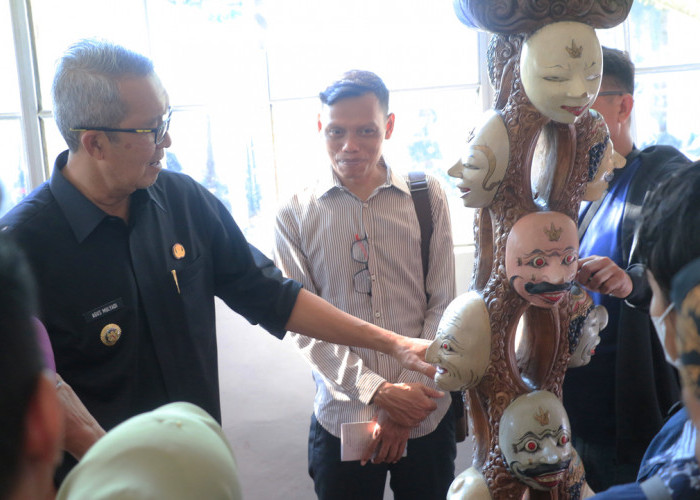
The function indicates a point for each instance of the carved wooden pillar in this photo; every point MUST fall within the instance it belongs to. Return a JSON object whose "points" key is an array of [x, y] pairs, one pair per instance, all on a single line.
{"points": [[540, 360]]}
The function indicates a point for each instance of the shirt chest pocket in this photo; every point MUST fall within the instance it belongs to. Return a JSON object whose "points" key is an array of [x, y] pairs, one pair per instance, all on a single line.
{"points": [[194, 286], [193, 280]]}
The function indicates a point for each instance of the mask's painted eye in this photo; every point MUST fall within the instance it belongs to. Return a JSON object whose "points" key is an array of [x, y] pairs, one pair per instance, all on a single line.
{"points": [[531, 446], [538, 262], [563, 440], [569, 259]]}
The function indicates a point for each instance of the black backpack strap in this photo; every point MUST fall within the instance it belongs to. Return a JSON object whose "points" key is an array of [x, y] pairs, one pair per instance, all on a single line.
{"points": [[418, 185]]}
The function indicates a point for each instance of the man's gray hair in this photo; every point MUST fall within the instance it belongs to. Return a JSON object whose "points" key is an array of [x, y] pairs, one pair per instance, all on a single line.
{"points": [[85, 88]]}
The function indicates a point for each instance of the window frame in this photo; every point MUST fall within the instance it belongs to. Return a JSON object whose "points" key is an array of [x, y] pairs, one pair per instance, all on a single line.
{"points": [[31, 113]]}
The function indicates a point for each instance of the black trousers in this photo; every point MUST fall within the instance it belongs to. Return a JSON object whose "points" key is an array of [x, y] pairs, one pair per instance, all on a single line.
{"points": [[424, 474]]}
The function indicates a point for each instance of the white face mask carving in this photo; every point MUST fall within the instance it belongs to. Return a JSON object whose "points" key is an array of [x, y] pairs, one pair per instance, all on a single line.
{"points": [[462, 346], [483, 165], [535, 439], [560, 68]]}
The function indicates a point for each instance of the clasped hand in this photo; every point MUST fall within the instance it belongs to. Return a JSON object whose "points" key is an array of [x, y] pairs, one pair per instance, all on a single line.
{"points": [[407, 404], [388, 442]]}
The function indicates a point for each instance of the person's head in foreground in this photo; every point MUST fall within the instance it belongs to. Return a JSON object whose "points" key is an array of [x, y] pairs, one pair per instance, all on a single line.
{"points": [[176, 451], [685, 291], [669, 246], [31, 418]]}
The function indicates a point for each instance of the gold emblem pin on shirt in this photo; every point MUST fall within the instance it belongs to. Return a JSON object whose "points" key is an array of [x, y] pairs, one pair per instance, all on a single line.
{"points": [[110, 334], [178, 251]]}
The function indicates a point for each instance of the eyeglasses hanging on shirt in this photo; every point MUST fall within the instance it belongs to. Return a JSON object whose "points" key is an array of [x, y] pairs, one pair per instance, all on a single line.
{"points": [[359, 251]]}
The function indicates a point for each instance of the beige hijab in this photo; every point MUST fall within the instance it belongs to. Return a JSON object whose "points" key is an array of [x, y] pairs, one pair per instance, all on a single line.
{"points": [[177, 451]]}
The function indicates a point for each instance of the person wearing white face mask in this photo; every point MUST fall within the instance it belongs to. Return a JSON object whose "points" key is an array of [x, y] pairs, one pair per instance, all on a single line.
{"points": [[660, 325], [685, 292], [668, 239]]}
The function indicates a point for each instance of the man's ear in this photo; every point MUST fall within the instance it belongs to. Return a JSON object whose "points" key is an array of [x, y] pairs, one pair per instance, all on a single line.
{"points": [[43, 433], [389, 125], [94, 142], [318, 120], [626, 105]]}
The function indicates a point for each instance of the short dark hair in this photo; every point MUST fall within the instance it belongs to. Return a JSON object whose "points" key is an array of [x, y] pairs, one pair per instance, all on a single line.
{"points": [[355, 83], [21, 361], [618, 68], [669, 230]]}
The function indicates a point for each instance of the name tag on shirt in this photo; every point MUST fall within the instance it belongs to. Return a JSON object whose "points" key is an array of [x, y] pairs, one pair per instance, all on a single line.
{"points": [[97, 313]]}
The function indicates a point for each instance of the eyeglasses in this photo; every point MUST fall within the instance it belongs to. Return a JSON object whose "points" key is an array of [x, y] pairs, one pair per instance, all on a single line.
{"points": [[611, 92], [159, 132], [361, 280]]}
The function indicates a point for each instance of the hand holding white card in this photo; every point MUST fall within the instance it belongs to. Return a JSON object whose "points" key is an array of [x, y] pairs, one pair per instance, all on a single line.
{"points": [[354, 438]]}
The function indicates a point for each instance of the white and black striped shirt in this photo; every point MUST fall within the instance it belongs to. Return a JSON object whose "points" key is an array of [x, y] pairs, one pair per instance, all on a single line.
{"points": [[314, 232]]}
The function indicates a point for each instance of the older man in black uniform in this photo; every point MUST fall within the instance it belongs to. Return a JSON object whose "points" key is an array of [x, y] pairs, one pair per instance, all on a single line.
{"points": [[129, 258]]}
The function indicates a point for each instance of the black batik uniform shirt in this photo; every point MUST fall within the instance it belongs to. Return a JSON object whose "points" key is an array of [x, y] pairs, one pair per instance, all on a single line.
{"points": [[154, 279]]}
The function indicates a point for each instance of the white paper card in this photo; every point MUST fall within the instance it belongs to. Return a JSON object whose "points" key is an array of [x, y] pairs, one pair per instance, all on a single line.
{"points": [[354, 438]]}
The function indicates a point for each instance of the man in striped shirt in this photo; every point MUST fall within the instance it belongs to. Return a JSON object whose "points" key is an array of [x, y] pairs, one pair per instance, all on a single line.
{"points": [[353, 238]]}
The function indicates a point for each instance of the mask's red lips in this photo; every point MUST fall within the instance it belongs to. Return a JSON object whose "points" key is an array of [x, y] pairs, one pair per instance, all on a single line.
{"points": [[552, 297], [550, 480], [575, 110], [464, 190]]}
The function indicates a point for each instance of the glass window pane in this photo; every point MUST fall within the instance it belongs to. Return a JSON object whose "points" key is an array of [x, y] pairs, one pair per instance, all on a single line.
{"points": [[220, 58], [59, 24], [409, 44], [13, 168], [662, 33], [665, 107], [232, 160], [221, 127], [300, 152], [431, 131], [613, 37], [9, 85]]}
